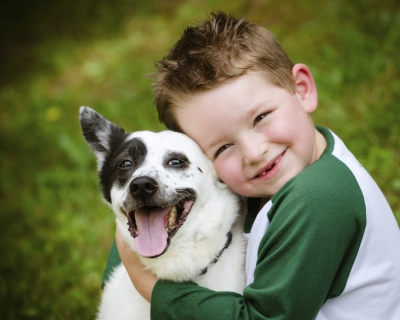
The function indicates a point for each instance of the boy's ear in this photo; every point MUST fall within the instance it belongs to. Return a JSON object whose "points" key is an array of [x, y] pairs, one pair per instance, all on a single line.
{"points": [[305, 87]]}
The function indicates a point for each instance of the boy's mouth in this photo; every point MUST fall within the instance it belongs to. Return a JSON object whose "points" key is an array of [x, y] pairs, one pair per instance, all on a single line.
{"points": [[270, 166]]}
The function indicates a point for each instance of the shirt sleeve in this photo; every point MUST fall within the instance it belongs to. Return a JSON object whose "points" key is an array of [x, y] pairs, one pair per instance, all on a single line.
{"points": [[113, 261], [304, 258]]}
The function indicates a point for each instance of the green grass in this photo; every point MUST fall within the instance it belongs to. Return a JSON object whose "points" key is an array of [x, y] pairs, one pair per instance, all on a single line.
{"points": [[55, 229]]}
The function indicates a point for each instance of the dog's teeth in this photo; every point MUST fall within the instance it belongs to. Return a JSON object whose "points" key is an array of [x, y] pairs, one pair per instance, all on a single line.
{"points": [[171, 217]]}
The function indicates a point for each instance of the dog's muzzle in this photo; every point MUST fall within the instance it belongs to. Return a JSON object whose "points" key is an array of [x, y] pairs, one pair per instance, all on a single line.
{"points": [[154, 220]]}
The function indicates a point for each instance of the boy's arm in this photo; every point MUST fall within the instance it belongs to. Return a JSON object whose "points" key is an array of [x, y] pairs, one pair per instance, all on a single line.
{"points": [[301, 264], [142, 279], [144, 282], [304, 259]]}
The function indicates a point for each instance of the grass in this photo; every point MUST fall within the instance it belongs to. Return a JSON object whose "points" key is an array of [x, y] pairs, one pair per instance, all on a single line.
{"points": [[55, 230]]}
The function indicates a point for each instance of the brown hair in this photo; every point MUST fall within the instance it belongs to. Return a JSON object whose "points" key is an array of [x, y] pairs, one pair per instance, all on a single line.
{"points": [[209, 54]]}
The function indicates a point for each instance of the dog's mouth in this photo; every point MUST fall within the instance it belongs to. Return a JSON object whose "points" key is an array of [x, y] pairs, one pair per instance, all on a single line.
{"points": [[153, 227]]}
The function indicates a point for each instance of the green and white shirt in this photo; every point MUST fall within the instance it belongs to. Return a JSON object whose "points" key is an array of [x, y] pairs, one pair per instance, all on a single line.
{"points": [[326, 246]]}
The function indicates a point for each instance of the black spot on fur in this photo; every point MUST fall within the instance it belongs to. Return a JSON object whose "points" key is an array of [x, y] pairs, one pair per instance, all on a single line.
{"points": [[199, 169], [132, 150]]}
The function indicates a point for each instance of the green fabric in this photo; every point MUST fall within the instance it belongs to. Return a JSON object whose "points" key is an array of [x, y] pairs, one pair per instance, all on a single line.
{"points": [[113, 261], [190, 301], [317, 222], [253, 206]]}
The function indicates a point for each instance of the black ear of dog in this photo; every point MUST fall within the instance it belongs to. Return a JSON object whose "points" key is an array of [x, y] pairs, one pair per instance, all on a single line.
{"points": [[100, 133]]}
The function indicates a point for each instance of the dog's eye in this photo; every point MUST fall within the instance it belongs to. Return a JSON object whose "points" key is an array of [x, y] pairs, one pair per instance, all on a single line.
{"points": [[175, 162], [125, 164]]}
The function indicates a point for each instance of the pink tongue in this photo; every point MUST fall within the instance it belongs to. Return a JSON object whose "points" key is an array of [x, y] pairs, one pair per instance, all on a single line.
{"points": [[152, 238]]}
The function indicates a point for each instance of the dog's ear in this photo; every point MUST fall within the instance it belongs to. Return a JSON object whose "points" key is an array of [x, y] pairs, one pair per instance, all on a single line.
{"points": [[100, 133]]}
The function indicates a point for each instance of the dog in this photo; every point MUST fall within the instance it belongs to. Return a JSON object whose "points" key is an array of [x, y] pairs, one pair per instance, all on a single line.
{"points": [[170, 207]]}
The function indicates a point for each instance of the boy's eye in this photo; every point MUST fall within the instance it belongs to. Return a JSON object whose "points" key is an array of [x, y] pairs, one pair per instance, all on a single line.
{"points": [[259, 118], [222, 149]]}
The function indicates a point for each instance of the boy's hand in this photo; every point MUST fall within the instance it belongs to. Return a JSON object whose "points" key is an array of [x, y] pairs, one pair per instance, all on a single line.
{"points": [[142, 279]]}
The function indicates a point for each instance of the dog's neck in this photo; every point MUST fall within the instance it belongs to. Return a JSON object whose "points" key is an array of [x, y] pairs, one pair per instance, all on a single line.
{"points": [[218, 255]]}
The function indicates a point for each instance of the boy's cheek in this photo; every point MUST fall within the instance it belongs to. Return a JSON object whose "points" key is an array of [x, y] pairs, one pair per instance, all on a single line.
{"points": [[222, 169], [218, 170], [227, 173]]}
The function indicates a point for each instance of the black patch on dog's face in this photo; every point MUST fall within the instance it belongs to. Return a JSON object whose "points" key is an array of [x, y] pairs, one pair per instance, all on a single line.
{"points": [[124, 158]]}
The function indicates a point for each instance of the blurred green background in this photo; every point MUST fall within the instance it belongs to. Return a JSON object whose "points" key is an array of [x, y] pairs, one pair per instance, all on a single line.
{"points": [[55, 56]]}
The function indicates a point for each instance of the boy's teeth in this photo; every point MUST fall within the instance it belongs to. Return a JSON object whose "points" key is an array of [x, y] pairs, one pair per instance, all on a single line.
{"points": [[264, 172]]}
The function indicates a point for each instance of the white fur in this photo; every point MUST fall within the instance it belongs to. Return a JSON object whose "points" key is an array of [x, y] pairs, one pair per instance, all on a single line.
{"points": [[214, 213]]}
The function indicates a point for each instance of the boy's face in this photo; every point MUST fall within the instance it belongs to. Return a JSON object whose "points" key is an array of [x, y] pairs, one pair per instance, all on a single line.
{"points": [[257, 135]]}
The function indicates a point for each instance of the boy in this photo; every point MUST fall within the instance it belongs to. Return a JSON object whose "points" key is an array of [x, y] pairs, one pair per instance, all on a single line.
{"points": [[324, 243]]}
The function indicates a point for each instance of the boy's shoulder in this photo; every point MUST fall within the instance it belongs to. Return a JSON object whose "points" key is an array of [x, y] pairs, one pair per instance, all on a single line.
{"points": [[336, 174], [333, 217], [330, 186]]}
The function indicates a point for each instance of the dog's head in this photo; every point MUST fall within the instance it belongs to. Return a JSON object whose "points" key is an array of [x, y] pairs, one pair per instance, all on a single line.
{"points": [[151, 180]]}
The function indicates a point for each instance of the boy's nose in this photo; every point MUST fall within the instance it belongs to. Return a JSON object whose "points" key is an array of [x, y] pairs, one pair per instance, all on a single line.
{"points": [[253, 152]]}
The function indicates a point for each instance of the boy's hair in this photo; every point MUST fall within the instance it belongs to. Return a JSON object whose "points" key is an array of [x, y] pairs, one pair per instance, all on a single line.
{"points": [[217, 49]]}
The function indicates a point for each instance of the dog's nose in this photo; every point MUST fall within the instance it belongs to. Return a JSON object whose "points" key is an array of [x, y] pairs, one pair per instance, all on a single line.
{"points": [[143, 187]]}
